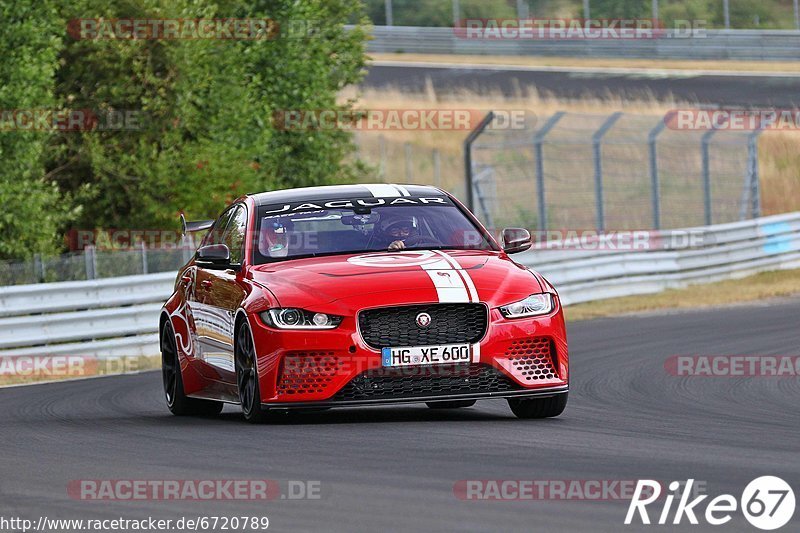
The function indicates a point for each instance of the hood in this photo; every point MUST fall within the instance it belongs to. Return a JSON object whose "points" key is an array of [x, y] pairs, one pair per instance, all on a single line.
{"points": [[395, 278]]}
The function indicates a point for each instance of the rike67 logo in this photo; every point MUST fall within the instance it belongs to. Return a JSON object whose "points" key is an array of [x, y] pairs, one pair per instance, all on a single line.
{"points": [[767, 503]]}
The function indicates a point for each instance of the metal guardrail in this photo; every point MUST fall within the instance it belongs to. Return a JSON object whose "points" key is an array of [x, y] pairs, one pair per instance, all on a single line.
{"points": [[727, 251], [106, 318], [17, 300], [119, 316], [711, 44], [74, 326]]}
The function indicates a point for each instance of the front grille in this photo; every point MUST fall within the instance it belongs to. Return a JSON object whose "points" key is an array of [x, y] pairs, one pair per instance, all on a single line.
{"points": [[397, 326], [417, 382]]}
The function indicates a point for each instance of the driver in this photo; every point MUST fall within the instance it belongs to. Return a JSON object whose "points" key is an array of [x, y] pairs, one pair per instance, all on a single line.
{"points": [[401, 232]]}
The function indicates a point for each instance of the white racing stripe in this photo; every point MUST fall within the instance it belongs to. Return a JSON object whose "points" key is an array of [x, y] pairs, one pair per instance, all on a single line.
{"points": [[402, 190], [473, 293], [466, 279], [450, 287], [453, 285], [383, 191]]}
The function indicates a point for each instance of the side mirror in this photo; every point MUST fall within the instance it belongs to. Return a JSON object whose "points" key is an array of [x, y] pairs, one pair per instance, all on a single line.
{"points": [[516, 240], [213, 256]]}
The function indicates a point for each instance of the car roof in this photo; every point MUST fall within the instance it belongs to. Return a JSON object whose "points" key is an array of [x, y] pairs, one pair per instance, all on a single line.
{"points": [[343, 192]]}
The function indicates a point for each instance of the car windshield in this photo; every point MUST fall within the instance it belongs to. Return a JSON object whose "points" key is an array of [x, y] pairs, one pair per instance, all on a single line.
{"points": [[305, 230]]}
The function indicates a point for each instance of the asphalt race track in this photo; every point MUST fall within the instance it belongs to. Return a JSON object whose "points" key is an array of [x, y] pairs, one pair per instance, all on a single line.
{"points": [[748, 91], [394, 468]]}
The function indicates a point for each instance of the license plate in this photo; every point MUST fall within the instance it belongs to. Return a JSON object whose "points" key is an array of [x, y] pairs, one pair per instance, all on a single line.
{"points": [[426, 355]]}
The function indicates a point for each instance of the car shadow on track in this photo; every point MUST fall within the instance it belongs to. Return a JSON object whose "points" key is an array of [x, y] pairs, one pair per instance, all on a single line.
{"points": [[395, 414]]}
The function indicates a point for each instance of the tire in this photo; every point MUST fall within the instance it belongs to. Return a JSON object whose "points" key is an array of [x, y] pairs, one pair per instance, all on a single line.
{"points": [[538, 407], [178, 403], [247, 376], [450, 404]]}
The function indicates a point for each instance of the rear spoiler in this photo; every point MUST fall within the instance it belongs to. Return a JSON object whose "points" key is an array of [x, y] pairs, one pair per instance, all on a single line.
{"points": [[191, 227]]}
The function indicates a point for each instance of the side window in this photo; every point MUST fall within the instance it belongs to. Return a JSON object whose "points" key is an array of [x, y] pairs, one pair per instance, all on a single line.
{"points": [[217, 231], [235, 234]]}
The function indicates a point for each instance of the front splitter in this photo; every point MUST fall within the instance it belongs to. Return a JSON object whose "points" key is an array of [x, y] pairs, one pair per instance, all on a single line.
{"points": [[540, 393]]}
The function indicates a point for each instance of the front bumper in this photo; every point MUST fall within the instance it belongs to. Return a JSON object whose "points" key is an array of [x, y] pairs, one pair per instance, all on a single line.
{"points": [[332, 368]]}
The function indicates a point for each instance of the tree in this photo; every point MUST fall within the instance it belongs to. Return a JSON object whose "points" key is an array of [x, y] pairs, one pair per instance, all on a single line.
{"points": [[29, 50], [304, 69], [204, 132]]}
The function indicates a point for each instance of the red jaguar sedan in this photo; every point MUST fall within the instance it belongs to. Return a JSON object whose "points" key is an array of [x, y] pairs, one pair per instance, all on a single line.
{"points": [[358, 295]]}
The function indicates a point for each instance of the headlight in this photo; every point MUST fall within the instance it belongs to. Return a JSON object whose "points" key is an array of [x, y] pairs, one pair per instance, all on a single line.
{"points": [[291, 318], [533, 305]]}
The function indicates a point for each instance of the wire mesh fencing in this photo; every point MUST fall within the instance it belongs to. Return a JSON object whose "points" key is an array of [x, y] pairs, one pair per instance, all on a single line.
{"points": [[617, 171], [613, 172], [92, 263]]}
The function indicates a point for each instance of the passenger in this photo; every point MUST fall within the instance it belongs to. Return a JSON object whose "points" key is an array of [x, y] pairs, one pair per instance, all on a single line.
{"points": [[274, 238]]}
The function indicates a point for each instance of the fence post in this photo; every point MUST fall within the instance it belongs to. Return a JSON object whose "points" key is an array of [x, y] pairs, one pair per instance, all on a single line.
{"points": [[706, 175], [796, 14], [522, 9], [655, 184], [90, 262], [38, 268], [389, 17], [487, 175], [538, 139], [474, 134], [726, 14], [755, 184], [144, 257], [437, 167], [597, 137]]}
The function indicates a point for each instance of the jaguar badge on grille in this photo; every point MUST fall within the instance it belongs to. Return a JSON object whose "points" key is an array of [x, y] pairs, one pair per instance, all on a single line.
{"points": [[423, 320]]}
